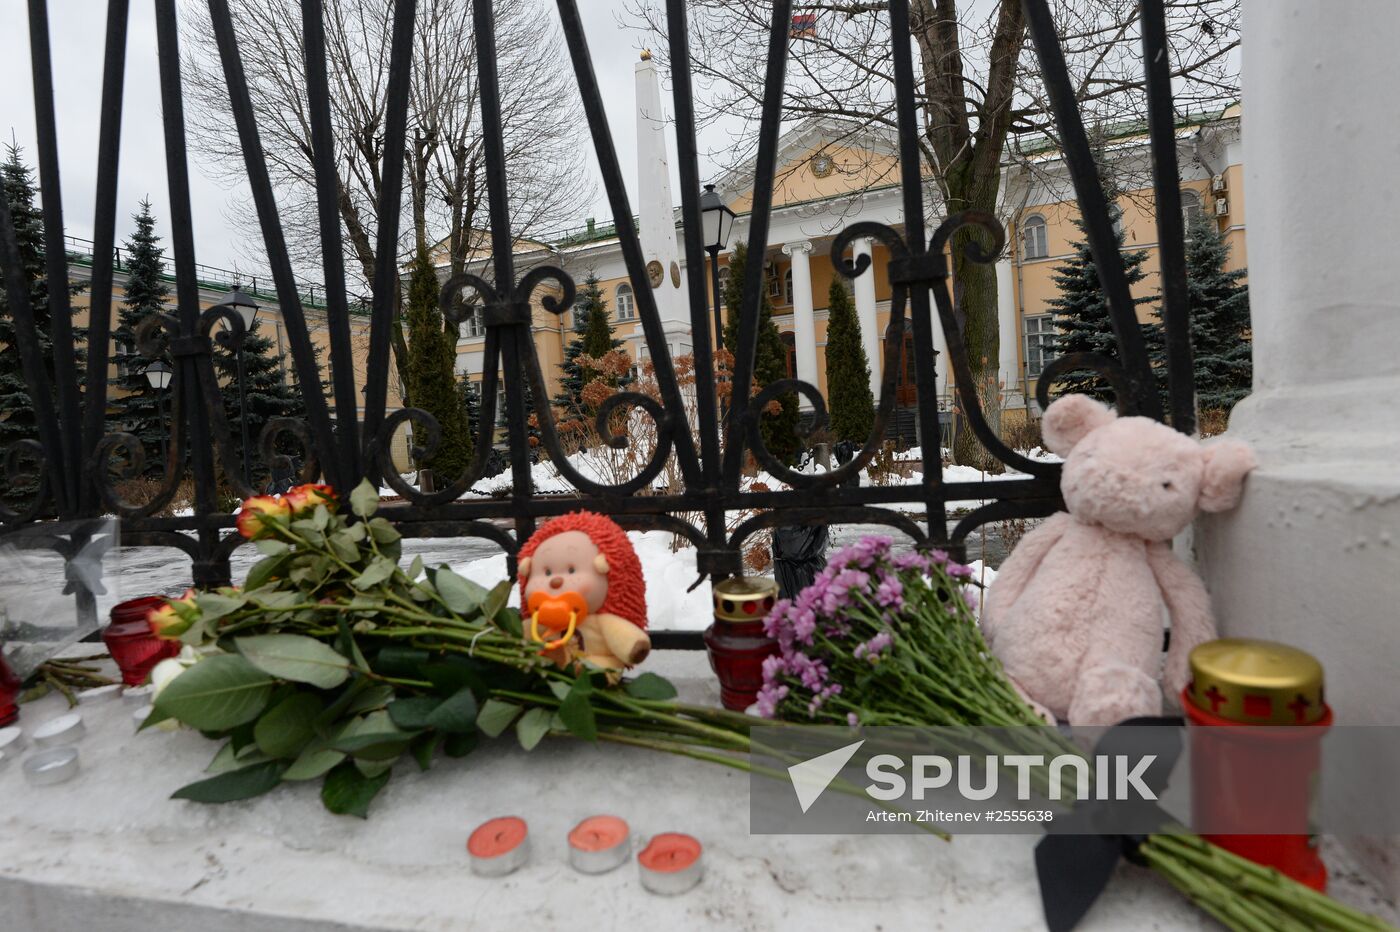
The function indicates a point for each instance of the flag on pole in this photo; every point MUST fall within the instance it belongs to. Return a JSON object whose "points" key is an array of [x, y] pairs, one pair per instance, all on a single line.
{"points": [[804, 26]]}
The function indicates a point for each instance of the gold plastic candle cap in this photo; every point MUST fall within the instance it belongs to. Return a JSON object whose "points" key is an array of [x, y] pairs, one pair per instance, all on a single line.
{"points": [[745, 598], [1257, 682]]}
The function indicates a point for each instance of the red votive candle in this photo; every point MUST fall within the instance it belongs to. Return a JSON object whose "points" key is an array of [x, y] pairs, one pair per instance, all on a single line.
{"points": [[671, 864], [599, 844], [132, 644], [499, 846], [9, 692]]}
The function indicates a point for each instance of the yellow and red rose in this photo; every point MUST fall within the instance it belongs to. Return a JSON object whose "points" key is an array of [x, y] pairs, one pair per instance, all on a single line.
{"points": [[305, 498], [253, 516], [174, 618]]}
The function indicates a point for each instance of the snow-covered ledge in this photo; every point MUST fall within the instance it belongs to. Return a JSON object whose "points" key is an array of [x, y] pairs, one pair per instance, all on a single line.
{"points": [[1312, 555]]}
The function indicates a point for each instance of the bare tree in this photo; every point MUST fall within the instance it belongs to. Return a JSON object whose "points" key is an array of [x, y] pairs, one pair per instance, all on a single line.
{"points": [[978, 85], [445, 201]]}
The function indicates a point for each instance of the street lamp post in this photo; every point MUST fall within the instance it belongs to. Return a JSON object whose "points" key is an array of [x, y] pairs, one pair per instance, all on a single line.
{"points": [[158, 374], [717, 221], [247, 308]]}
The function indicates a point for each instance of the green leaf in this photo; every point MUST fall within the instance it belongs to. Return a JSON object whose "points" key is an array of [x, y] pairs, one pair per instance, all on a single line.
{"points": [[213, 605], [533, 726], [496, 599], [649, 686], [372, 736], [275, 600], [559, 688], [375, 697], [383, 532], [403, 662], [225, 759], [452, 673], [461, 595], [345, 642], [265, 569], [271, 548], [576, 712], [234, 785], [295, 657], [315, 760], [321, 517], [508, 620], [218, 692], [379, 569], [422, 750], [456, 714], [286, 728], [411, 714], [495, 717], [357, 532], [364, 500], [415, 569], [344, 547], [349, 792], [373, 768], [461, 745]]}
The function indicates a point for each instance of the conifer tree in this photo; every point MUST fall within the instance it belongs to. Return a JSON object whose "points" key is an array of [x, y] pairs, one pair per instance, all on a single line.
{"points": [[432, 372], [1220, 331], [848, 394], [136, 406], [1080, 312], [267, 392], [595, 340], [770, 360], [17, 421]]}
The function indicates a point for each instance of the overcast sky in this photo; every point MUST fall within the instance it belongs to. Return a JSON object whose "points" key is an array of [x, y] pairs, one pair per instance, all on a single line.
{"points": [[77, 34]]}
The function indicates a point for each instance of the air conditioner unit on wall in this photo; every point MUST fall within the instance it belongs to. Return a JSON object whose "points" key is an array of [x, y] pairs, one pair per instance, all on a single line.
{"points": [[1219, 183], [1222, 207]]}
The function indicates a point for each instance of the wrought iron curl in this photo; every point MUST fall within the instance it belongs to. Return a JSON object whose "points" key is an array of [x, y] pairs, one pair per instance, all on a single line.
{"points": [[277, 462], [1105, 366]]}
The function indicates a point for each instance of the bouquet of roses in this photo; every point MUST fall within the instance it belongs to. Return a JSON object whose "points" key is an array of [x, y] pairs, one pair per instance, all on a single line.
{"points": [[891, 639], [333, 663]]}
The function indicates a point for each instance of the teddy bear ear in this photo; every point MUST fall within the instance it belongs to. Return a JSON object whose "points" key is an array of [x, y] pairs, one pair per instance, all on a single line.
{"points": [[1069, 419], [1227, 463]]}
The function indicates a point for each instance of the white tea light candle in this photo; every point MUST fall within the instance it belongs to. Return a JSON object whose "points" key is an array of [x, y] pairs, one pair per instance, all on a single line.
{"points": [[51, 767], [139, 696], [11, 739], [62, 730]]}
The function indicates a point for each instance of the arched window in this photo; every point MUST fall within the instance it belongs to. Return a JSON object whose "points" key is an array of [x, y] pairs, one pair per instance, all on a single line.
{"points": [[787, 286], [1190, 209], [1034, 239], [723, 285], [789, 352], [626, 303]]}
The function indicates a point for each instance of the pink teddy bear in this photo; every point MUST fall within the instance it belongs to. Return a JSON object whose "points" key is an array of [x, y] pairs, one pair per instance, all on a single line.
{"points": [[1075, 614]]}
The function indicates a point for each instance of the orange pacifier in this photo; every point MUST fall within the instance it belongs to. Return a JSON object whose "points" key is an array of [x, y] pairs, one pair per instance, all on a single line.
{"points": [[556, 613]]}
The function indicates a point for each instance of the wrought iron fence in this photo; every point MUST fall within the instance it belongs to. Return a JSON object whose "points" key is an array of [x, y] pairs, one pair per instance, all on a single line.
{"points": [[81, 463]]}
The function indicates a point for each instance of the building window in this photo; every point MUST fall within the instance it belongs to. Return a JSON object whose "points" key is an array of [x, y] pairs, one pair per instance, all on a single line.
{"points": [[626, 303], [473, 326], [125, 350], [723, 285], [789, 352], [1040, 344], [1034, 241], [787, 286], [1190, 210]]}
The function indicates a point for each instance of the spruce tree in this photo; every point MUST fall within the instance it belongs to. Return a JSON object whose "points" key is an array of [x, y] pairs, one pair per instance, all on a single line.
{"points": [[268, 395], [432, 372], [1080, 312], [136, 406], [848, 394], [770, 360], [17, 420], [1220, 331], [595, 340]]}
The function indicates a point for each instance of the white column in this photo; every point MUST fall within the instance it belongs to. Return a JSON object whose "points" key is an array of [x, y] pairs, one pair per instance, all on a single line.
{"points": [[804, 325], [943, 372], [656, 220], [1007, 332], [865, 312], [1309, 557]]}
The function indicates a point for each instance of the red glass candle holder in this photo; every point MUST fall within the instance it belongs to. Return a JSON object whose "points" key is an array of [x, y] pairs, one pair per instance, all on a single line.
{"points": [[9, 692], [736, 642], [132, 644]]}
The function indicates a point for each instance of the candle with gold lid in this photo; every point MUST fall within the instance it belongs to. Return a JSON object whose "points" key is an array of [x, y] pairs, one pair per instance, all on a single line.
{"points": [[1256, 682], [736, 641]]}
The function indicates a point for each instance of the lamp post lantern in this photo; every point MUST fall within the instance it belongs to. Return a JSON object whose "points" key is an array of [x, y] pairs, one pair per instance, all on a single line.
{"points": [[158, 373], [717, 221], [247, 308]]}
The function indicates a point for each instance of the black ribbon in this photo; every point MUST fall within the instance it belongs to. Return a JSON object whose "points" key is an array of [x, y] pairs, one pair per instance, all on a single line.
{"points": [[1074, 863]]}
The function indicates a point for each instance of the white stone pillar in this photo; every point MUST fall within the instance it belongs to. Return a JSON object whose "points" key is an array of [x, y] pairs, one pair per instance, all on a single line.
{"points": [[865, 313], [804, 325], [656, 219], [943, 372], [1007, 333], [1310, 556]]}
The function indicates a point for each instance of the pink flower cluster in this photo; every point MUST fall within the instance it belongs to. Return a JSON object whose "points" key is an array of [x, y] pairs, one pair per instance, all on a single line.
{"points": [[843, 616]]}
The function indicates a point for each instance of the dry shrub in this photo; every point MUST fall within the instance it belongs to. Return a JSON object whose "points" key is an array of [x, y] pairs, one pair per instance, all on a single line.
{"points": [[138, 491], [1213, 421]]}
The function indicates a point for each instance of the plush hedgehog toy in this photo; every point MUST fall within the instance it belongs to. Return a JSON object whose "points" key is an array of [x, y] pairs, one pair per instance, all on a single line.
{"points": [[582, 593], [1075, 613]]}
